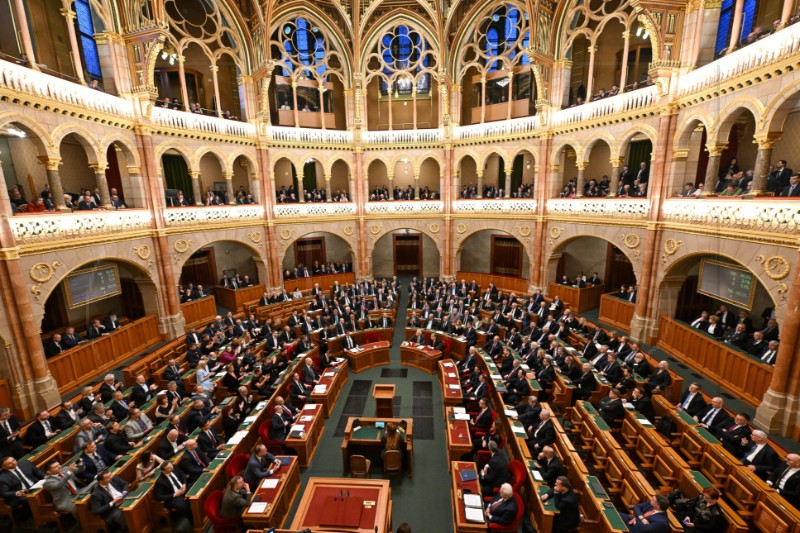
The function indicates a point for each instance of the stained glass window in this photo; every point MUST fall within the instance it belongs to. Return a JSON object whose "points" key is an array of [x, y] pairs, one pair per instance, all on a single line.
{"points": [[724, 28], [83, 20]]}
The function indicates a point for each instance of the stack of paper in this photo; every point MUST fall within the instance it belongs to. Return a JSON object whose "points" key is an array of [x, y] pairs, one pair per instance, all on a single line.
{"points": [[511, 413], [454, 386], [269, 483], [257, 507], [309, 407], [459, 409], [474, 515], [297, 427], [451, 375], [473, 500], [306, 418], [461, 416], [237, 437], [329, 374], [320, 389], [251, 418], [519, 430]]}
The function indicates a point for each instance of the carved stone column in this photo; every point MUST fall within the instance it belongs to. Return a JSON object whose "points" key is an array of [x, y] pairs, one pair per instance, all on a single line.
{"points": [[736, 26], [507, 182], [25, 33], [390, 177], [483, 99], [416, 184], [328, 191], [786, 13], [456, 189], [197, 187], [614, 185], [590, 82], [75, 52], [215, 78], [182, 75], [102, 183], [228, 175], [712, 169], [54, 180], [581, 179], [510, 93], [623, 77], [761, 166], [480, 184]]}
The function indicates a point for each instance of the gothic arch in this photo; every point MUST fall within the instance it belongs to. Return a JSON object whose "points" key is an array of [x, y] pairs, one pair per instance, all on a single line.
{"points": [[35, 132], [131, 153], [399, 16], [683, 132], [640, 129], [597, 138], [84, 137], [776, 111], [731, 113], [163, 148]]}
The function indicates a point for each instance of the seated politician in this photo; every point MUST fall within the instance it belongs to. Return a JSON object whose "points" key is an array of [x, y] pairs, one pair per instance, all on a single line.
{"points": [[502, 510], [650, 516]]}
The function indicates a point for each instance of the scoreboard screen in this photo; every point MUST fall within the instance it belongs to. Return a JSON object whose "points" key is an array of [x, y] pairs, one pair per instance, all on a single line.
{"points": [[727, 282]]}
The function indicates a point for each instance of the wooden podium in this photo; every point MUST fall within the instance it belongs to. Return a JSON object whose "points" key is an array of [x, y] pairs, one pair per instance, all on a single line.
{"points": [[384, 400]]}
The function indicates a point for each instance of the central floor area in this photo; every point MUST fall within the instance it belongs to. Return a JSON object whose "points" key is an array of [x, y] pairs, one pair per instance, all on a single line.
{"points": [[423, 501]]}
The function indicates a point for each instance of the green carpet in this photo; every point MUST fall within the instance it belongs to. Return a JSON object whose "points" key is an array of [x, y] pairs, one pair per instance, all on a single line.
{"points": [[423, 501]]}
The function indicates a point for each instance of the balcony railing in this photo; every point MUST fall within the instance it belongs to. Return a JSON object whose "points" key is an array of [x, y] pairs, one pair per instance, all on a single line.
{"points": [[309, 136], [780, 216], [404, 208], [25, 81], [502, 128], [629, 208], [521, 206], [768, 50], [314, 210], [621, 103], [51, 227], [181, 120], [221, 215], [395, 137]]}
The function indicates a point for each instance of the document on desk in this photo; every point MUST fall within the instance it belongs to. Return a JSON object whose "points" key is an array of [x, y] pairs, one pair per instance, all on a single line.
{"points": [[306, 418], [511, 413], [451, 375], [473, 500], [251, 418], [320, 389], [454, 386], [257, 507], [309, 407], [237, 437], [474, 515], [460, 416], [269, 483], [329, 374], [459, 409]]}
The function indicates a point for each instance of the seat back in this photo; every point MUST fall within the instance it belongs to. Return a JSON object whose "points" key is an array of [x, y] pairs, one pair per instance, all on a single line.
{"points": [[211, 507], [371, 336], [514, 525], [236, 465], [358, 465], [518, 472], [392, 461], [447, 345]]}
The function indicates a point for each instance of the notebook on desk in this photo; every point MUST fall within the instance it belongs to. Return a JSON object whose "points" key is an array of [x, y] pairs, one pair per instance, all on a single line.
{"points": [[468, 475], [285, 461]]}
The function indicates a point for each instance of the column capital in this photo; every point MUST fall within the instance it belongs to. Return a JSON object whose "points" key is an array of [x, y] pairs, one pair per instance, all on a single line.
{"points": [[51, 163], [479, 173], [68, 14], [195, 174], [626, 34], [390, 176], [328, 176], [214, 69], [581, 165], [181, 59], [715, 150], [593, 49], [228, 175], [617, 161], [99, 167], [765, 141]]}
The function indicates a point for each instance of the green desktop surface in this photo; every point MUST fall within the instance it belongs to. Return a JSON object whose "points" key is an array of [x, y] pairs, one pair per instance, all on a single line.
{"points": [[200, 484], [367, 433]]}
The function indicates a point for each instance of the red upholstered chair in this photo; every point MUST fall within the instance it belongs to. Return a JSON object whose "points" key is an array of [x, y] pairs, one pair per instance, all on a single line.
{"points": [[485, 455], [447, 343], [371, 336], [273, 446], [477, 432], [236, 465], [518, 475], [514, 525], [211, 508]]}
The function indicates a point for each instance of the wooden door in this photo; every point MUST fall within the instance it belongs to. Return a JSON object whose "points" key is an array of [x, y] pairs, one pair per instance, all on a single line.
{"points": [[200, 269], [506, 256], [307, 251], [407, 255], [619, 270]]}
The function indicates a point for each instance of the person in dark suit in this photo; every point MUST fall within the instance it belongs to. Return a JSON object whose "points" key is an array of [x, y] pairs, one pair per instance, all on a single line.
{"points": [[54, 347], [235, 499], [786, 479], [95, 459], [10, 444], [278, 425], [40, 430], [96, 330], [642, 403], [142, 392], [758, 456], [734, 433], [209, 440], [738, 337], [585, 384], [528, 413], [550, 466], [692, 400], [169, 445], [714, 416], [658, 382], [106, 497], [193, 461], [648, 517], [542, 434], [467, 364], [197, 415], [66, 417], [495, 472], [17, 478], [566, 501], [116, 442], [611, 408], [612, 370], [502, 510], [479, 390], [262, 464], [793, 189], [626, 177], [470, 336], [779, 178], [170, 490]]}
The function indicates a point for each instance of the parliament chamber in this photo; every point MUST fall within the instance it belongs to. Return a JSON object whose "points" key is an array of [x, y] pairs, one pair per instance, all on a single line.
{"points": [[376, 266]]}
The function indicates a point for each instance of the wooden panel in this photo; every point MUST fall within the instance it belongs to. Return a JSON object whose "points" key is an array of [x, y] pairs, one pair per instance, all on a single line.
{"points": [[199, 311], [325, 282], [503, 283], [580, 299], [738, 372], [82, 364], [616, 312], [506, 256], [233, 300], [407, 251]]}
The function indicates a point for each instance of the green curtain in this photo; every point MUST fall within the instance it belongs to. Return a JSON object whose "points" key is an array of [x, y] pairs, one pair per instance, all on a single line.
{"points": [[176, 175], [501, 174], [637, 152], [297, 190], [310, 176], [516, 173]]}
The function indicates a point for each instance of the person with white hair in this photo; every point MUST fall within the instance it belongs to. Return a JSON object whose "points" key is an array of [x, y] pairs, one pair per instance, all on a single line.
{"points": [[758, 456], [502, 510]]}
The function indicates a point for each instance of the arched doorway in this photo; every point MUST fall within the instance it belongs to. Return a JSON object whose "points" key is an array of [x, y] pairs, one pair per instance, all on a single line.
{"points": [[378, 181], [493, 251], [587, 255], [405, 252], [209, 264], [286, 185], [316, 249]]}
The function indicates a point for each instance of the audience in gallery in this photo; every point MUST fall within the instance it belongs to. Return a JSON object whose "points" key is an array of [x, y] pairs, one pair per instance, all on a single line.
{"points": [[380, 194], [615, 90], [490, 191], [318, 269], [737, 330], [287, 195], [196, 108], [96, 328], [87, 200]]}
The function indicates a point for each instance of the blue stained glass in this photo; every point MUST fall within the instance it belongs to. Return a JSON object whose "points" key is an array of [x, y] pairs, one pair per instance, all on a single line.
{"points": [[302, 23], [83, 17], [526, 42], [749, 18], [90, 56], [724, 28]]}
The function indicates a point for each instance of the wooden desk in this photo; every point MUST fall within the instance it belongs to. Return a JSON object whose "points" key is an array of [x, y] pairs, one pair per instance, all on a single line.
{"points": [[279, 499], [333, 379], [616, 312], [458, 344], [451, 385], [321, 492], [199, 312], [306, 446], [419, 356], [368, 356], [234, 300], [384, 400], [458, 489], [458, 437], [368, 440], [580, 300], [503, 283], [138, 508], [360, 337]]}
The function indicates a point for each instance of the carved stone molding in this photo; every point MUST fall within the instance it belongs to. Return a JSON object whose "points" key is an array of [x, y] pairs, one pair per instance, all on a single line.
{"points": [[670, 247], [632, 241], [776, 267], [144, 253], [41, 273], [434, 228], [555, 232]]}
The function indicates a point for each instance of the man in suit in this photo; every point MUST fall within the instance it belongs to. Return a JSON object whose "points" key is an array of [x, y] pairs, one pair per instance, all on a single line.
{"points": [[209, 440], [584, 385], [642, 403], [16, 479], [659, 381], [71, 339], [626, 177], [54, 347], [566, 501], [738, 337], [170, 489], [197, 416], [611, 408], [106, 498], [142, 392], [758, 456], [10, 444], [418, 337], [41, 430], [262, 464], [66, 417], [111, 323], [542, 434], [502, 510], [169, 445], [495, 472], [549, 466], [771, 353], [278, 424], [734, 433], [116, 442], [96, 458], [467, 364], [193, 461], [648, 517], [713, 417], [612, 370], [60, 482], [96, 330], [109, 387], [138, 425], [786, 479], [173, 372], [692, 400], [86, 433], [528, 413], [757, 345], [779, 178], [119, 407]]}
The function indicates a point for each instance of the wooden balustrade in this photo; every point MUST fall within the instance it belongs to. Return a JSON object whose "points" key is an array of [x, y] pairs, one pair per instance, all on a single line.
{"points": [[84, 363], [616, 312], [580, 300], [199, 312], [503, 283], [734, 370], [234, 299], [325, 282]]}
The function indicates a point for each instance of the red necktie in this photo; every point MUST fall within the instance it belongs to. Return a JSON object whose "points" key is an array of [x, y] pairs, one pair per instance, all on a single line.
{"points": [[72, 489], [197, 458]]}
